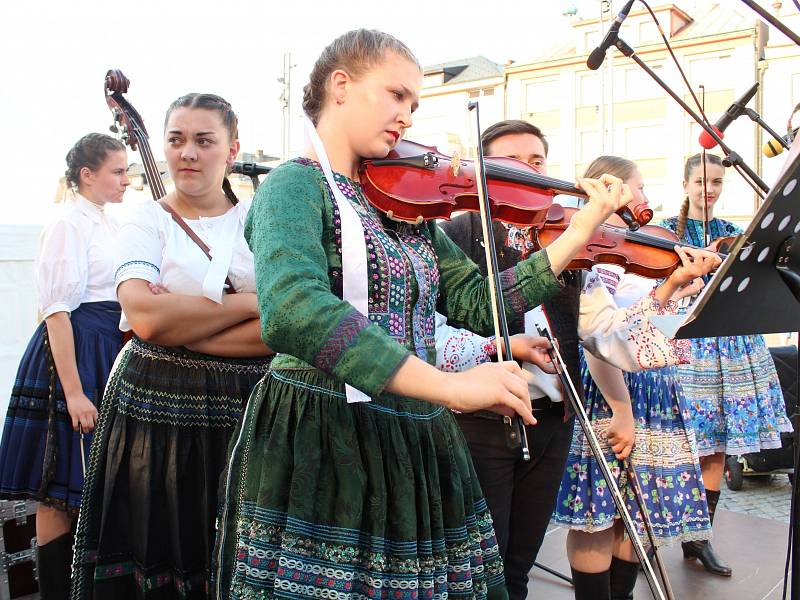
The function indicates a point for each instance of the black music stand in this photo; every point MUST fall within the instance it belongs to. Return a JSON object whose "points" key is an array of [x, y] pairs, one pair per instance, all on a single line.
{"points": [[757, 290]]}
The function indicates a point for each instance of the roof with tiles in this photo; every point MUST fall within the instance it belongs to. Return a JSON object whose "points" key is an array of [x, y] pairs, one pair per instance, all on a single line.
{"points": [[466, 69], [712, 19]]}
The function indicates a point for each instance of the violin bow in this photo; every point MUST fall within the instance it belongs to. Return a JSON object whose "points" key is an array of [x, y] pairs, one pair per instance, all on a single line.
{"points": [[706, 236], [495, 288], [616, 495], [501, 327]]}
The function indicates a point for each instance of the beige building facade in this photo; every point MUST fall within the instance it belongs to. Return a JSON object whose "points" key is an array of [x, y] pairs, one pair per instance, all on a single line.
{"points": [[619, 109]]}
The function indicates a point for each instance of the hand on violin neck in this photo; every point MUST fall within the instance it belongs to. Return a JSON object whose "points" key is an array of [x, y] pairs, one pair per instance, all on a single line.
{"points": [[606, 195], [695, 262]]}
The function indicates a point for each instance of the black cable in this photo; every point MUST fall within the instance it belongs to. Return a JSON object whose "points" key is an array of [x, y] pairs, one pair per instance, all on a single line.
{"points": [[675, 60]]}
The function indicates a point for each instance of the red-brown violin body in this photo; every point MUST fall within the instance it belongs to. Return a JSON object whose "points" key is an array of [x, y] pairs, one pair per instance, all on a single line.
{"points": [[416, 183], [649, 251]]}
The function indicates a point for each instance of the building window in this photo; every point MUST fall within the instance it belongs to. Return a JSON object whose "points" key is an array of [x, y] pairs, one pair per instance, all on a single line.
{"points": [[589, 88], [638, 85], [481, 92], [588, 145], [640, 141], [648, 32], [795, 89], [543, 95], [590, 40], [714, 73]]}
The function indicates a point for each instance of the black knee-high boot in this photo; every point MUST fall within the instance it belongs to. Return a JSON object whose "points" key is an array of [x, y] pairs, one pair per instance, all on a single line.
{"points": [[623, 578], [703, 551], [54, 561], [591, 586]]}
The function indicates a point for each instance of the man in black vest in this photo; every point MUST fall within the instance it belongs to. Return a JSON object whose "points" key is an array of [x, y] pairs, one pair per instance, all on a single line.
{"points": [[521, 494]]}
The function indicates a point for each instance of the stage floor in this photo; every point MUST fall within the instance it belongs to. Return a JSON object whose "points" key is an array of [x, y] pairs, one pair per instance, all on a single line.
{"points": [[755, 549]]}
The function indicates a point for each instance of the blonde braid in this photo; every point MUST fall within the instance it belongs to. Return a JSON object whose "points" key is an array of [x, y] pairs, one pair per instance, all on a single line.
{"points": [[682, 216]]}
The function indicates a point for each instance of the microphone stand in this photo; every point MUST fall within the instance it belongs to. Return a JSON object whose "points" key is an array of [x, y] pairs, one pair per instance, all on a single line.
{"points": [[756, 118], [773, 21], [731, 158]]}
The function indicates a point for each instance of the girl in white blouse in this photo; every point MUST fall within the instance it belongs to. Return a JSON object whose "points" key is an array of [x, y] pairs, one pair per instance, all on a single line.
{"points": [[147, 523], [63, 372]]}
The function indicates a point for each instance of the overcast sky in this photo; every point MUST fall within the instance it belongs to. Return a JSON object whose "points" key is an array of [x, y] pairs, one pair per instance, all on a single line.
{"points": [[55, 55]]}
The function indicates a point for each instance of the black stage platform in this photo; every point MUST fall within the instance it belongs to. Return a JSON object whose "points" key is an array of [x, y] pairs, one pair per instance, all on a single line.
{"points": [[755, 548]]}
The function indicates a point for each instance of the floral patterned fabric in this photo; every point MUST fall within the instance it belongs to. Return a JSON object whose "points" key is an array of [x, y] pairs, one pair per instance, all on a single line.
{"points": [[664, 458], [731, 385], [375, 499]]}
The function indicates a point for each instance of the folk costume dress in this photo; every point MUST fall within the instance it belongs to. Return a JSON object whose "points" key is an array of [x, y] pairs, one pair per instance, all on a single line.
{"points": [[147, 525], [731, 385], [664, 454], [374, 499], [40, 454]]}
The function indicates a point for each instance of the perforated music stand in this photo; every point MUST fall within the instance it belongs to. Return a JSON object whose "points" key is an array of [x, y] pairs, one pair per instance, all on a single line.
{"points": [[757, 288]]}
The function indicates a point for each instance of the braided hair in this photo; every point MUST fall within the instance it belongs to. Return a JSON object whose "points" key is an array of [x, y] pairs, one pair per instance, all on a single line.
{"points": [[222, 107]]}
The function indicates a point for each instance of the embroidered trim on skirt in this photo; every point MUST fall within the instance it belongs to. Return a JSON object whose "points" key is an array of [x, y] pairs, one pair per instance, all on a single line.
{"points": [[335, 500], [40, 456], [664, 458], [734, 396], [147, 525]]}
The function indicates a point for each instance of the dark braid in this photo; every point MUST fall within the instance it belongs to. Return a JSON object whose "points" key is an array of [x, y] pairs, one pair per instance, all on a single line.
{"points": [[691, 163], [229, 119], [682, 216]]}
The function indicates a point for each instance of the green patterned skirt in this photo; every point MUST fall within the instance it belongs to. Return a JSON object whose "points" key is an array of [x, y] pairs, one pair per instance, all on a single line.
{"points": [[147, 523], [326, 499]]}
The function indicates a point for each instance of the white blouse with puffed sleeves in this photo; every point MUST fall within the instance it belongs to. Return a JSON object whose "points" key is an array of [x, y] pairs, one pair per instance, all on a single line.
{"points": [[75, 261], [153, 247]]}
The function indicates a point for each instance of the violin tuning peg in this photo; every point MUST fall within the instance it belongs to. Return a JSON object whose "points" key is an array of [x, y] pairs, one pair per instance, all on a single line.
{"points": [[113, 129]]}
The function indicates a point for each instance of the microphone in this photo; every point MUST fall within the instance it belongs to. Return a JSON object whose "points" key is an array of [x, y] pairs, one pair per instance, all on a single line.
{"points": [[775, 146], [598, 55], [729, 116], [249, 168]]}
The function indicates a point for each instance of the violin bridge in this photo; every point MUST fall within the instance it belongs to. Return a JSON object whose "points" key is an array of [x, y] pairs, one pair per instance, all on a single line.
{"points": [[455, 163]]}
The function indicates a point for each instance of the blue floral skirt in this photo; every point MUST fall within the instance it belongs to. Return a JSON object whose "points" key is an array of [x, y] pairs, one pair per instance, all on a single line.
{"points": [[40, 456], [734, 396], [664, 457]]}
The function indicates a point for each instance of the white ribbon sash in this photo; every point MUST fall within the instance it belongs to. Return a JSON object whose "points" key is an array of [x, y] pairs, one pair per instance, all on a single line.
{"points": [[354, 246], [221, 256]]}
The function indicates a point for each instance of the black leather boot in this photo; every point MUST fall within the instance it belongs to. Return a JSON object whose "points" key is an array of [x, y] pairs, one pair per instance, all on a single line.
{"points": [[54, 564], [623, 578], [591, 586], [703, 551]]}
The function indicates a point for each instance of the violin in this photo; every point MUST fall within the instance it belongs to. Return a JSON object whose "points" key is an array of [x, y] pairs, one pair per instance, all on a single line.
{"points": [[649, 251], [417, 183]]}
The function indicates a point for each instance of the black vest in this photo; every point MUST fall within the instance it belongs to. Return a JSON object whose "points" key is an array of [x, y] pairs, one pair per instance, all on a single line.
{"points": [[561, 309]]}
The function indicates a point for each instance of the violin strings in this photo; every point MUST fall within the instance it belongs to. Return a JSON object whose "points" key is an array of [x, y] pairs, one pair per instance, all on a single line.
{"points": [[531, 178]]}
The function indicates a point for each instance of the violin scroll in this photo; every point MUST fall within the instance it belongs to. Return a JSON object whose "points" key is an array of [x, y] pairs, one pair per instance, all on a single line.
{"points": [[127, 122]]}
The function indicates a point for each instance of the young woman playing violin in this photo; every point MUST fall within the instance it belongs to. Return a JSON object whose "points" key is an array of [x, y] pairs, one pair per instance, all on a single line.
{"points": [[376, 497], [62, 374], [146, 529], [731, 385], [644, 416], [522, 494]]}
